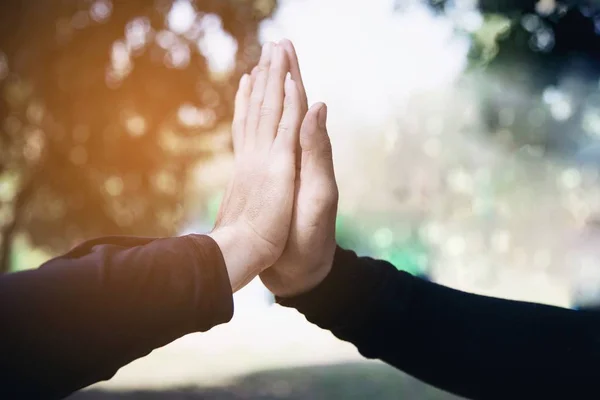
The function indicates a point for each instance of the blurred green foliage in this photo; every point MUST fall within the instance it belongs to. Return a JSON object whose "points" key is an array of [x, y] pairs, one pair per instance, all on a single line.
{"points": [[374, 236], [407, 253], [542, 75], [91, 92]]}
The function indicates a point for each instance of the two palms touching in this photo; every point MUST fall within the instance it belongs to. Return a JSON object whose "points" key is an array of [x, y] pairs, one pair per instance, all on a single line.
{"points": [[278, 215], [308, 255]]}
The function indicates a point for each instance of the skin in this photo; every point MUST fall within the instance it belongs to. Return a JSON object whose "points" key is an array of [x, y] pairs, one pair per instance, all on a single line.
{"points": [[254, 219], [277, 218], [308, 255]]}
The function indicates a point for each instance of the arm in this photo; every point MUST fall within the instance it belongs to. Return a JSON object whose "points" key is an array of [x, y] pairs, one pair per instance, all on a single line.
{"points": [[474, 346], [80, 317]]}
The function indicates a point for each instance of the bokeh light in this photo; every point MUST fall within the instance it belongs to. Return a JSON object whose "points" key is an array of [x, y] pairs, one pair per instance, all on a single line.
{"points": [[466, 142]]}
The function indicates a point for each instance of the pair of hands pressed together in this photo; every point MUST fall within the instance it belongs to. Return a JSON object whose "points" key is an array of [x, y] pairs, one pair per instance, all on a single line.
{"points": [[277, 218]]}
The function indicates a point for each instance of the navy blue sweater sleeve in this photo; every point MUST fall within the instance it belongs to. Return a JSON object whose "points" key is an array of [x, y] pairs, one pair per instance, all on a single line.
{"points": [[78, 318], [473, 346]]}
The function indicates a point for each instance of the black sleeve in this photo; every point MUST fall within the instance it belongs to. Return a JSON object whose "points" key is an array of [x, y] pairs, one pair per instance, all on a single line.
{"points": [[80, 317], [473, 346]]}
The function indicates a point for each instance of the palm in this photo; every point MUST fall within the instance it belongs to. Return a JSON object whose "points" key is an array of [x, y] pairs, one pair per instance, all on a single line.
{"points": [[308, 254], [311, 241], [309, 228]]}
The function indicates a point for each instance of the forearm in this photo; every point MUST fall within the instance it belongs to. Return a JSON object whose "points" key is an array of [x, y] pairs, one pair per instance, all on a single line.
{"points": [[474, 346], [79, 318]]}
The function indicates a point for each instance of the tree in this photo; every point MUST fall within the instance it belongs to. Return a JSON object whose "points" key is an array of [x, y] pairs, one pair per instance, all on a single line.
{"points": [[541, 65], [555, 58], [105, 109], [540, 82]]}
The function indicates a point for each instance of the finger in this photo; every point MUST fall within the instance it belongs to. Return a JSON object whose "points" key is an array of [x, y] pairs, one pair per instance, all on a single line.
{"points": [[258, 94], [240, 113], [253, 74], [317, 175], [272, 106], [295, 69], [291, 119], [314, 140]]}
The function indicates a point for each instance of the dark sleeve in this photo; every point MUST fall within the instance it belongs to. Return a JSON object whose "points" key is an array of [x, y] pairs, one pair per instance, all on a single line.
{"points": [[473, 346], [79, 318]]}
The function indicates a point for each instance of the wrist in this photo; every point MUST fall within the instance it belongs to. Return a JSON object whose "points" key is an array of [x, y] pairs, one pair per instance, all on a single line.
{"points": [[233, 255]]}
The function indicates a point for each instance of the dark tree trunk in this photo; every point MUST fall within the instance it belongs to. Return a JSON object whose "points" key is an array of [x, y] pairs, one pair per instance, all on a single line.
{"points": [[11, 229], [8, 234]]}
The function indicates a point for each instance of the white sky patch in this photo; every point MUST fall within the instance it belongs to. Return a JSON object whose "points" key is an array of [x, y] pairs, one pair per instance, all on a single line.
{"points": [[181, 17], [365, 61], [218, 46]]}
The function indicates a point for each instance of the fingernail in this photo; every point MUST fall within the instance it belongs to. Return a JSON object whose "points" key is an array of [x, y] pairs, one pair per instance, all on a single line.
{"points": [[322, 116], [243, 80], [266, 51]]}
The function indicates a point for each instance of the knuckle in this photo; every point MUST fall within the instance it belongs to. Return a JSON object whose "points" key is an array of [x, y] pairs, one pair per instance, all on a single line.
{"points": [[276, 68], [326, 149], [321, 148], [335, 196], [289, 102], [282, 129], [328, 197], [256, 97], [266, 111]]}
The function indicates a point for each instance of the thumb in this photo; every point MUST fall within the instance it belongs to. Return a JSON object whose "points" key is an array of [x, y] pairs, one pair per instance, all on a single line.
{"points": [[314, 140]]}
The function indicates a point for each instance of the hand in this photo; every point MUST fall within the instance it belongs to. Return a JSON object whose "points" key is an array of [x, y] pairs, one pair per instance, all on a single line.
{"points": [[254, 219], [308, 255]]}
